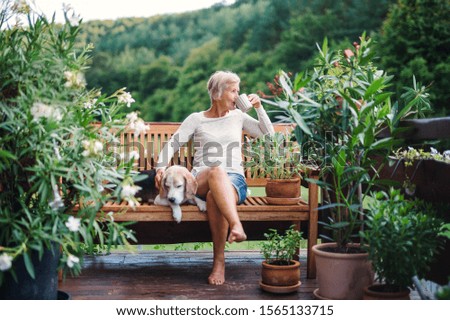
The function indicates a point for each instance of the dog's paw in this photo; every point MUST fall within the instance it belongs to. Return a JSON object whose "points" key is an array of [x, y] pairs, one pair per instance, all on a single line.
{"points": [[176, 213], [200, 204], [160, 202]]}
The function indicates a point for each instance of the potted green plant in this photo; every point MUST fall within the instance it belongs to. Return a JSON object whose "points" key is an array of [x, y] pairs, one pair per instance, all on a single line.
{"points": [[401, 237], [276, 157], [280, 272], [53, 155], [340, 108]]}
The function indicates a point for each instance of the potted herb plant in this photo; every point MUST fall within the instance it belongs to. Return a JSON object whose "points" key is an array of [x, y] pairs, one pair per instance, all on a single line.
{"points": [[340, 108], [277, 158], [401, 237], [280, 272], [53, 155]]}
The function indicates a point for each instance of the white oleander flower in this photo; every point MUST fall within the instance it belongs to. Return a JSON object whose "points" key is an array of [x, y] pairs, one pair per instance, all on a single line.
{"points": [[74, 79], [134, 155], [40, 110], [73, 224], [111, 215], [129, 191], [98, 147], [132, 117], [5, 262], [89, 104], [140, 127], [72, 260], [91, 148], [125, 97], [74, 20], [57, 202]]}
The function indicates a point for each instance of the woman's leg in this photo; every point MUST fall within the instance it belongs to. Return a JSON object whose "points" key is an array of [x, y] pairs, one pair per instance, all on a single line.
{"points": [[219, 230], [221, 199]]}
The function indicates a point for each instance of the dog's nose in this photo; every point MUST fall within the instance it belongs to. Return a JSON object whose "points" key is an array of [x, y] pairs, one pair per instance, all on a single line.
{"points": [[171, 199]]}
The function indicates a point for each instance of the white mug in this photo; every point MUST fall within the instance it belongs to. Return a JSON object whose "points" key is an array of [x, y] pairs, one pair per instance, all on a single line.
{"points": [[243, 103]]}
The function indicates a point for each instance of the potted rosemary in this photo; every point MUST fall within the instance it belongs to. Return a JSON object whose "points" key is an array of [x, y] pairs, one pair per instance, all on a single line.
{"points": [[276, 158]]}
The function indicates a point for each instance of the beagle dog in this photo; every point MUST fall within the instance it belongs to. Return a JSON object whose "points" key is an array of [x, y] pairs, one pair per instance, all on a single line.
{"points": [[178, 186]]}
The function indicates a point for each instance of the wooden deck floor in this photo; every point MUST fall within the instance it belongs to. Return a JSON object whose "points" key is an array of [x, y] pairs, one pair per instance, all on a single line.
{"points": [[175, 275]]}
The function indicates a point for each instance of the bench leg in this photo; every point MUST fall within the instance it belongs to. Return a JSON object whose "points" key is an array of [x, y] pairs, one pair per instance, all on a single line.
{"points": [[312, 227]]}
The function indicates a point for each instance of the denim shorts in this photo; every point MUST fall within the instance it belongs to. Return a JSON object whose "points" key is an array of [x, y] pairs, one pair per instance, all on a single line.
{"points": [[239, 183]]}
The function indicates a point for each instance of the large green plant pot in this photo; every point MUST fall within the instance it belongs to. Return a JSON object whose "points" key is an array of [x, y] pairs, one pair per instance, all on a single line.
{"points": [[45, 284], [341, 276]]}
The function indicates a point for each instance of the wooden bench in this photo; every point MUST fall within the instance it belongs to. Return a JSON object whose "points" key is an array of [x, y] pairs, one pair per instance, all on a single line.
{"points": [[155, 224]]}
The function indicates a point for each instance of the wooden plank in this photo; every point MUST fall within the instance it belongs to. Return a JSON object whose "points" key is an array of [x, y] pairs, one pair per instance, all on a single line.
{"points": [[175, 275], [166, 215]]}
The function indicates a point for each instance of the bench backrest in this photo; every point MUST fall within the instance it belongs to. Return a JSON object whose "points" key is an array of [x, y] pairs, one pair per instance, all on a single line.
{"points": [[150, 144]]}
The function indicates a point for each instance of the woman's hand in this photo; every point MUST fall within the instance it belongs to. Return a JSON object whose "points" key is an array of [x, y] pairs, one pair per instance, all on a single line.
{"points": [[255, 100]]}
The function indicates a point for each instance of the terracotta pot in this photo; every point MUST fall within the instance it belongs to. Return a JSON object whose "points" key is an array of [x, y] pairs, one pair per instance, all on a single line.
{"points": [[281, 275], [283, 191], [341, 275], [280, 278], [378, 292]]}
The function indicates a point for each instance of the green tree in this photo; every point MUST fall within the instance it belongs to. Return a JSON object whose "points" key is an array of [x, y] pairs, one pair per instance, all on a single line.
{"points": [[299, 40], [415, 40], [161, 73]]}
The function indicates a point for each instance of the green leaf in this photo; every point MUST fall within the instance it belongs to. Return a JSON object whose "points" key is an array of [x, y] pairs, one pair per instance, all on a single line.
{"points": [[29, 265], [382, 143], [374, 87], [300, 122]]}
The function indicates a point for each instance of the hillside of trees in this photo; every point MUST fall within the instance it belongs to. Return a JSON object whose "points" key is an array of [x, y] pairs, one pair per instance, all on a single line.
{"points": [[165, 61]]}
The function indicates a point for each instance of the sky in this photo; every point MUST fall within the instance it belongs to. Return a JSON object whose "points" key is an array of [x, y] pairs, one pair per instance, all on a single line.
{"points": [[113, 9]]}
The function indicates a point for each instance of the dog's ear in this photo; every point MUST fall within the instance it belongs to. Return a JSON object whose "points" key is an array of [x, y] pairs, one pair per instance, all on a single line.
{"points": [[191, 184], [162, 188]]}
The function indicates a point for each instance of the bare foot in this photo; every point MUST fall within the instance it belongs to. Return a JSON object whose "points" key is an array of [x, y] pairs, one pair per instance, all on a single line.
{"points": [[237, 234], [217, 276]]}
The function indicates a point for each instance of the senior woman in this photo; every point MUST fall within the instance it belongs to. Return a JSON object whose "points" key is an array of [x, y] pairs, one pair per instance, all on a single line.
{"points": [[217, 164]]}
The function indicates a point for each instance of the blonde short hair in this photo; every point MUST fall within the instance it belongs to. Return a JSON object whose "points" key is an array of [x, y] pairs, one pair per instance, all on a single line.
{"points": [[219, 82]]}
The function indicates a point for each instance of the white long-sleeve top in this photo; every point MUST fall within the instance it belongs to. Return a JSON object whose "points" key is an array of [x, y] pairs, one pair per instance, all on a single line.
{"points": [[217, 141]]}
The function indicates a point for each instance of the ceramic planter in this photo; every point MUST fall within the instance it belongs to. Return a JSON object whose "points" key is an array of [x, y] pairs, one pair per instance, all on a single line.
{"points": [[283, 191], [378, 292], [341, 275], [280, 278]]}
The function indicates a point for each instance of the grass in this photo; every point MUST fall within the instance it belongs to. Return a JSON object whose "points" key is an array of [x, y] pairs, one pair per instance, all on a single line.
{"points": [[199, 246]]}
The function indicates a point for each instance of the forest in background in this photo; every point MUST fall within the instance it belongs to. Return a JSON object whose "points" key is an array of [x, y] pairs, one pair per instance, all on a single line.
{"points": [[165, 61]]}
